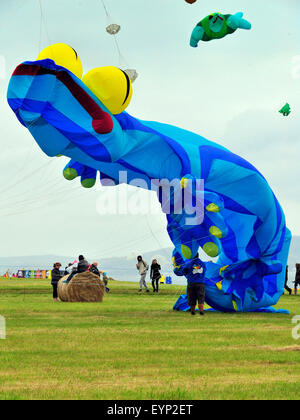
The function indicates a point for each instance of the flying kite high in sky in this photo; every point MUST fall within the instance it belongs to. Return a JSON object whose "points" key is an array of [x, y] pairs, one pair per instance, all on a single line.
{"points": [[285, 110], [236, 216], [217, 26]]}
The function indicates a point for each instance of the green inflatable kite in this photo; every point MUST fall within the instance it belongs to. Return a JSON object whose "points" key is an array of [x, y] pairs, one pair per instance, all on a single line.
{"points": [[217, 26], [285, 110]]}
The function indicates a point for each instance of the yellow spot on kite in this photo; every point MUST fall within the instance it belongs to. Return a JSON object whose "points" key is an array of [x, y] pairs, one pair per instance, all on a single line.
{"points": [[212, 207], [215, 231], [184, 182], [211, 249], [219, 285], [175, 265], [223, 269], [186, 252]]}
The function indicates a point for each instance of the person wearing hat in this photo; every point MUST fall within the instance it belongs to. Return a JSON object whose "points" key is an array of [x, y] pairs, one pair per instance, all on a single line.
{"points": [[155, 275], [55, 277]]}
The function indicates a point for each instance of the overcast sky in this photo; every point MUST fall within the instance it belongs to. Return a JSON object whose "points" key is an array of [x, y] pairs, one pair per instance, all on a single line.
{"points": [[229, 91]]}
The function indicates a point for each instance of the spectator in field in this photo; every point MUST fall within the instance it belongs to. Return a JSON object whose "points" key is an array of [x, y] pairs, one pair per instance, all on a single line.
{"points": [[287, 288], [94, 269], [82, 266], [142, 268], [297, 278], [194, 271], [55, 277], [155, 275], [104, 277], [68, 269]]}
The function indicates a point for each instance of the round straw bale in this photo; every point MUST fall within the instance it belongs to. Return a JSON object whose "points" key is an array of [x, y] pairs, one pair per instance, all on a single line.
{"points": [[62, 289], [83, 287]]}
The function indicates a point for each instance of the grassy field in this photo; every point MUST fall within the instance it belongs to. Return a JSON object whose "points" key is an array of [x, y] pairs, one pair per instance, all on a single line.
{"points": [[133, 346]]}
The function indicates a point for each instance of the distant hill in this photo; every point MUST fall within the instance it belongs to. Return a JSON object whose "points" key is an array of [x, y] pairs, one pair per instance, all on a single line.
{"points": [[294, 256], [120, 268], [34, 262]]}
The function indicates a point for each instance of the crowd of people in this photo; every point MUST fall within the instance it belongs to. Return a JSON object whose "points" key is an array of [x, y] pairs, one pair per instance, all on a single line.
{"points": [[155, 274], [76, 267], [194, 271]]}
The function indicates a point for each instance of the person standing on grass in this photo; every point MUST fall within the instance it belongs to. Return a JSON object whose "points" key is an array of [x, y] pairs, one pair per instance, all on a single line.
{"points": [[155, 275], [287, 288], [104, 278], [194, 271], [297, 278], [142, 268], [55, 277]]}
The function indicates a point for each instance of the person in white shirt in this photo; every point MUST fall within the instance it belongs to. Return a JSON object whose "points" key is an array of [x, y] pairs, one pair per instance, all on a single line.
{"points": [[142, 268]]}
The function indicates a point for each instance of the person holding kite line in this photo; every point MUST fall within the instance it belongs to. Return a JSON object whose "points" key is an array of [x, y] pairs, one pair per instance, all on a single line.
{"points": [[194, 271]]}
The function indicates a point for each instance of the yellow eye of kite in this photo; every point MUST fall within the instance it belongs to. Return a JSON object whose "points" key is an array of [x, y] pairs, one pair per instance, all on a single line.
{"points": [[63, 55], [112, 87]]}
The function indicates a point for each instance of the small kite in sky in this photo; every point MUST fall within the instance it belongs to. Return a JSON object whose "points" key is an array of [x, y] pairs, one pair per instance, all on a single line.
{"points": [[285, 110]]}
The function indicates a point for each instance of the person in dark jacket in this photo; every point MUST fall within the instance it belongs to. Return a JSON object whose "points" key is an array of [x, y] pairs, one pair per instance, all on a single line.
{"points": [[155, 275], [194, 270], [287, 288], [55, 277], [94, 269], [297, 278], [82, 267]]}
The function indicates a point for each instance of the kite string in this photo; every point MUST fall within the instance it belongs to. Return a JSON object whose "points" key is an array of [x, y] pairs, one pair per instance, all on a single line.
{"points": [[122, 60], [41, 27], [102, 1], [25, 177], [43, 21], [19, 172]]}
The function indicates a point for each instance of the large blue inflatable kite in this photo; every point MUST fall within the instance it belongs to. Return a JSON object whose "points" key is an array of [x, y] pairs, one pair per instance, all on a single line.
{"points": [[241, 223]]}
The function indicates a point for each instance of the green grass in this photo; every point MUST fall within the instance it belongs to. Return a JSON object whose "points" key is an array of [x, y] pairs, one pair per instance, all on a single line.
{"points": [[134, 346]]}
